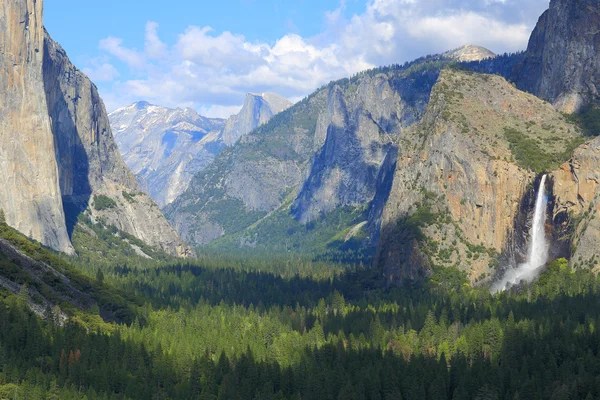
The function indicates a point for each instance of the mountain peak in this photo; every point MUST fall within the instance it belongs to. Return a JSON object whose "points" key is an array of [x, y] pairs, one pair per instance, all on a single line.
{"points": [[140, 105], [469, 52], [258, 109]]}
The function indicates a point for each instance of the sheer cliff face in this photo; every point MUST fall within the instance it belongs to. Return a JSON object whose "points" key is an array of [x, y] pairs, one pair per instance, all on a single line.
{"points": [[457, 188], [30, 194], [576, 189], [561, 63], [354, 135], [61, 150], [257, 110]]}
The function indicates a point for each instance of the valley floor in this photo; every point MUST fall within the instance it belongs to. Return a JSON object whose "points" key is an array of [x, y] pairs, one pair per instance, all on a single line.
{"points": [[258, 329]]}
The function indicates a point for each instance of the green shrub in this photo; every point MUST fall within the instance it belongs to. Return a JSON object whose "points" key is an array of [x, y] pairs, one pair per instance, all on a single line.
{"points": [[588, 120], [529, 155], [102, 202], [130, 197]]}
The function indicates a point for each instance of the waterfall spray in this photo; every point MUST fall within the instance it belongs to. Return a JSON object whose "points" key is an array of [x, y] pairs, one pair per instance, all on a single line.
{"points": [[537, 254]]}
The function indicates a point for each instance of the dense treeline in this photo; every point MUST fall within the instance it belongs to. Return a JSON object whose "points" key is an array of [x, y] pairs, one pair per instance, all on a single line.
{"points": [[225, 334]]}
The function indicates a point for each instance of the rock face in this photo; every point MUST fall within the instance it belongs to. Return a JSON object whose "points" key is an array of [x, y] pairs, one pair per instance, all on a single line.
{"points": [[257, 110], [460, 177], [65, 148], [354, 135], [164, 147], [576, 191], [30, 193], [318, 157], [561, 64], [469, 53]]}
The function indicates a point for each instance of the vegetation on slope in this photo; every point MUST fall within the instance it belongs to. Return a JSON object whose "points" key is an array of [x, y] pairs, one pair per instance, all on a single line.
{"points": [[216, 333], [82, 297]]}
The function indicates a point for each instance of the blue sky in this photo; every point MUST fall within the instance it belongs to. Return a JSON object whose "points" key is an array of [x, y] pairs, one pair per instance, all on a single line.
{"points": [[207, 55]]}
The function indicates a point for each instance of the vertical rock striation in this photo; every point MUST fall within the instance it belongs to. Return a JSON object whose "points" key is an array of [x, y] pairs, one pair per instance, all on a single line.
{"points": [[30, 194], [56, 145], [576, 208], [562, 58]]}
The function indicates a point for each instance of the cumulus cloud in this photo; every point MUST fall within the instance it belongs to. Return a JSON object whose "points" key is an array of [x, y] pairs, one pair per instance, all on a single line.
{"points": [[101, 71], [211, 71]]}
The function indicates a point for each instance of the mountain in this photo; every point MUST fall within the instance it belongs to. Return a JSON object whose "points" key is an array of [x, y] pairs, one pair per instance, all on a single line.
{"points": [[560, 66], [562, 58], [464, 176], [257, 110], [165, 147], [57, 148], [313, 174], [470, 53]]}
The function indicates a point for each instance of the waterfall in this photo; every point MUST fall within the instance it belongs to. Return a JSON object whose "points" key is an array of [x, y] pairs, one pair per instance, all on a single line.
{"points": [[537, 253]]}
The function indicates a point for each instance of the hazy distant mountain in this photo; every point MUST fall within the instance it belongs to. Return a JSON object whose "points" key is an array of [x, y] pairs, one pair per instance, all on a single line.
{"points": [[258, 109], [469, 53], [166, 147]]}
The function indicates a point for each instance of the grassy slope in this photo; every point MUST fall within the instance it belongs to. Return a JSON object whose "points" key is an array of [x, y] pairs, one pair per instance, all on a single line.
{"points": [[83, 298]]}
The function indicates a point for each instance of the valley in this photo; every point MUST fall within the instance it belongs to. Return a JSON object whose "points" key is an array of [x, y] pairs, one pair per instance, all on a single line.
{"points": [[424, 230]]}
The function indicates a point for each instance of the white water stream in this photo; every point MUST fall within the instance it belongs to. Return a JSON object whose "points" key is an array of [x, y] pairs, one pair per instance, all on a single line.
{"points": [[537, 254]]}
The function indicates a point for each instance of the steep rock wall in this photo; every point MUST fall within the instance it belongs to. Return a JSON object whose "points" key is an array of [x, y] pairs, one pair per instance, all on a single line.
{"points": [[30, 194], [562, 58]]}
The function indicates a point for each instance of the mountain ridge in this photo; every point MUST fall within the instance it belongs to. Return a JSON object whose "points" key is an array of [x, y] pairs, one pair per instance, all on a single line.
{"points": [[166, 147]]}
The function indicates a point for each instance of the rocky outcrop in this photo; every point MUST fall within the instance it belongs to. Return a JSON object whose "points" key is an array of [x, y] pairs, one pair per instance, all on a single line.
{"points": [[460, 177], [57, 146], [257, 110], [164, 147], [576, 191], [562, 58], [30, 193], [354, 135], [470, 53]]}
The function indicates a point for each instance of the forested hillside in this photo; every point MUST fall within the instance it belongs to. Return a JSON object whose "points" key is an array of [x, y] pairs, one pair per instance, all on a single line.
{"points": [[260, 330]]}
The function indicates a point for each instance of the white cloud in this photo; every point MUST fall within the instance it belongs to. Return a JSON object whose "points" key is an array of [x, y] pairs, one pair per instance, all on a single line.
{"points": [[101, 72], [131, 57], [154, 47], [217, 111], [212, 71]]}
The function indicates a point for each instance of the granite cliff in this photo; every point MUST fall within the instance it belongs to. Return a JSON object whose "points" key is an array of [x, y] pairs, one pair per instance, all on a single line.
{"points": [[464, 175], [257, 110], [63, 157], [30, 193], [562, 58]]}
